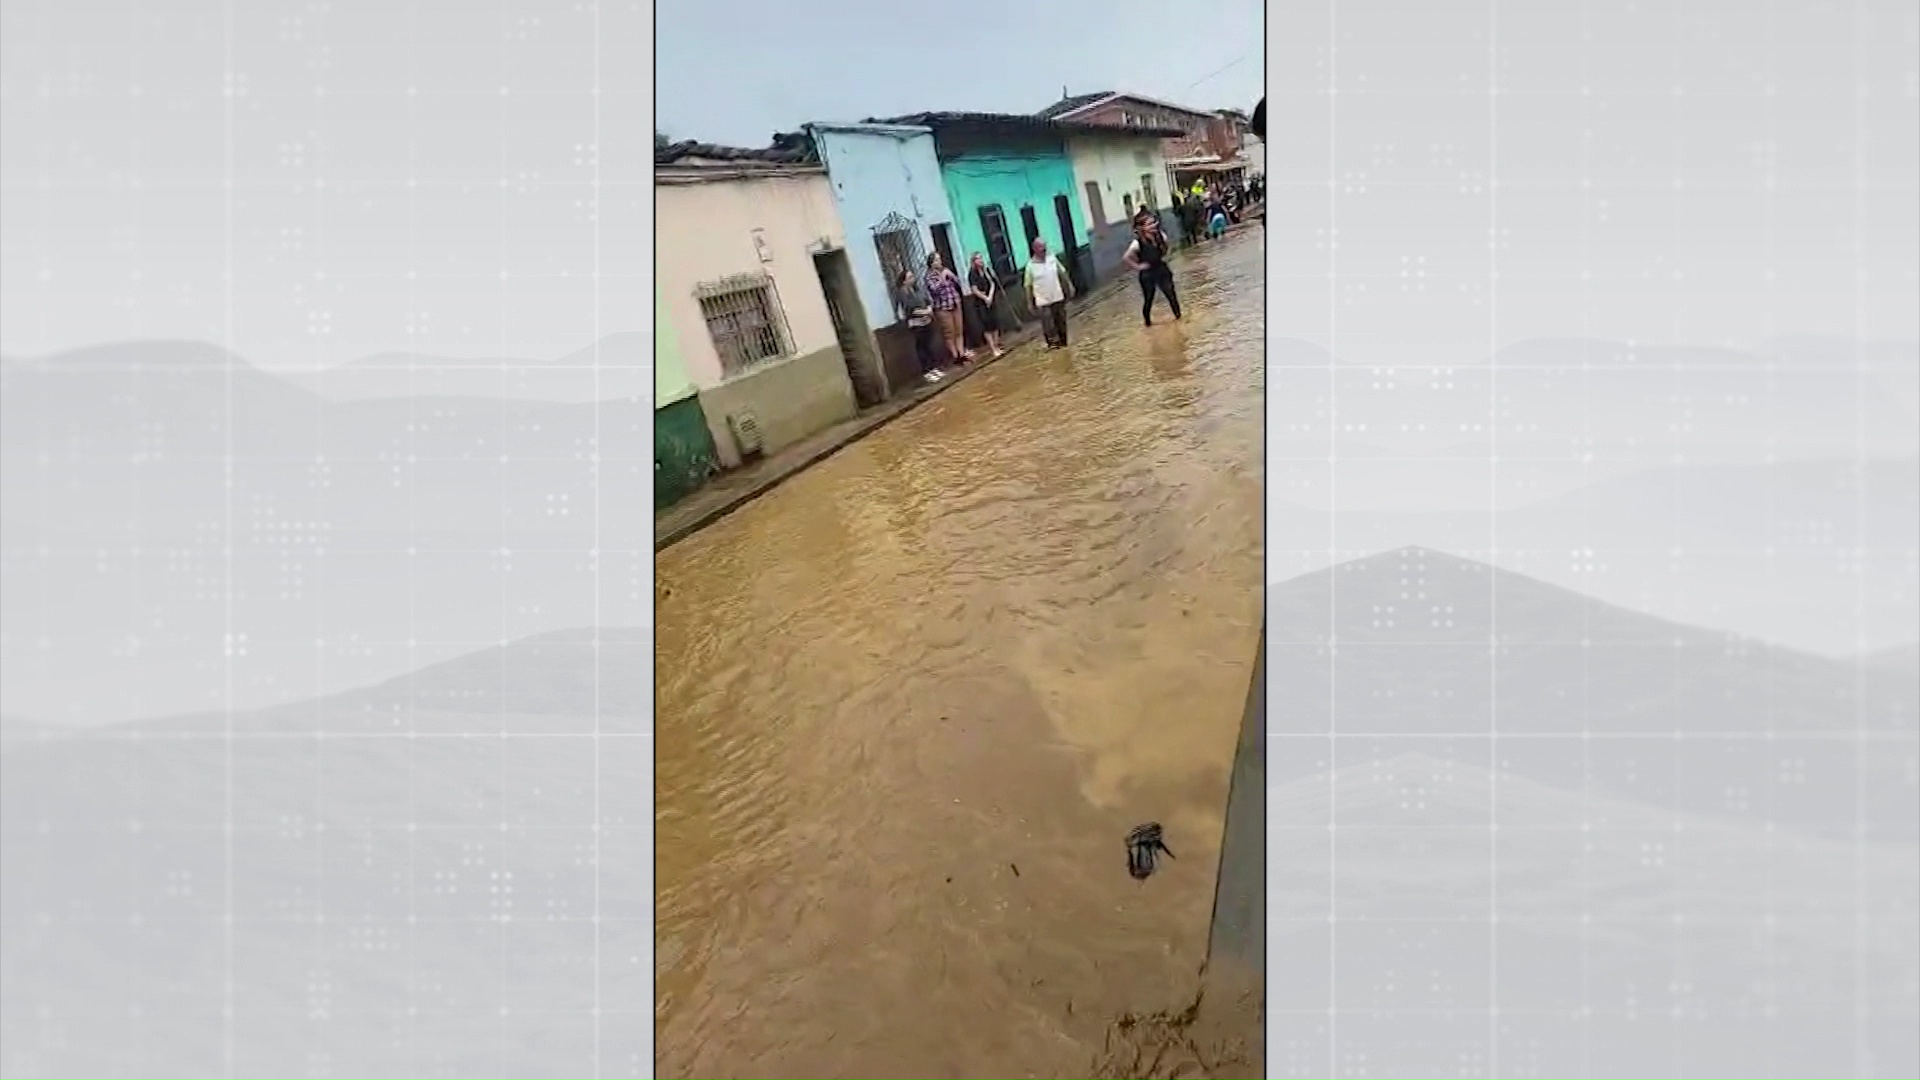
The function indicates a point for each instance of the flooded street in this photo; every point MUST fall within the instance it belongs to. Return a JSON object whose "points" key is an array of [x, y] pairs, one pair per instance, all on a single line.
{"points": [[911, 702]]}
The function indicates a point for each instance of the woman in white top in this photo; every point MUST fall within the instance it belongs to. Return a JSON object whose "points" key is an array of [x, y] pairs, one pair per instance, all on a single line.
{"points": [[1049, 288]]}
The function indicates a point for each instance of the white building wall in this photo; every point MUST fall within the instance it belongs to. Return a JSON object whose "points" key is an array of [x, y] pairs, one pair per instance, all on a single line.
{"points": [[706, 231], [1117, 166]]}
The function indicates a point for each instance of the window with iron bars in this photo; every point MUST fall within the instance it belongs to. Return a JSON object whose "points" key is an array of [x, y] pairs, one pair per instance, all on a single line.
{"points": [[897, 240], [748, 325]]}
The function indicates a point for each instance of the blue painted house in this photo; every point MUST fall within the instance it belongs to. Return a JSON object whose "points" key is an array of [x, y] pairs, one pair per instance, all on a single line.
{"points": [[886, 184]]}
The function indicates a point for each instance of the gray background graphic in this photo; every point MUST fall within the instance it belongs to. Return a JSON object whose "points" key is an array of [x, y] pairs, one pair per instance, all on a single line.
{"points": [[1594, 435], [392, 252], [326, 571]]}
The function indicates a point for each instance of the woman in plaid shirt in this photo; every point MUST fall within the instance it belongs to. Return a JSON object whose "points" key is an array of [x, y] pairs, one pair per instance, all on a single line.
{"points": [[943, 286]]}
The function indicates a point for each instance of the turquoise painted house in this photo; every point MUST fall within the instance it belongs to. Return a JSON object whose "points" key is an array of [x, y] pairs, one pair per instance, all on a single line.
{"points": [[1008, 179]]}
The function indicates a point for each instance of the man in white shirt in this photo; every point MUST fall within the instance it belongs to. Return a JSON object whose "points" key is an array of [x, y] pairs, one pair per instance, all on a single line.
{"points": [[1048, 289]]}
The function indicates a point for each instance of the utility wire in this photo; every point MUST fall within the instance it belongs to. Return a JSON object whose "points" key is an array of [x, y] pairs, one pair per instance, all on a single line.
{"points": [[1217, 72]]}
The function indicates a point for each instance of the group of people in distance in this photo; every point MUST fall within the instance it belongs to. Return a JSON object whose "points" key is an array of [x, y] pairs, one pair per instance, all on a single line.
{"points": [[932, 301], [1207, 210]]}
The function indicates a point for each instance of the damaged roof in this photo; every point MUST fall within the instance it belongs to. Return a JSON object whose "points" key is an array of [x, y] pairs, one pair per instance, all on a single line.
{"points": [[786, 150]]}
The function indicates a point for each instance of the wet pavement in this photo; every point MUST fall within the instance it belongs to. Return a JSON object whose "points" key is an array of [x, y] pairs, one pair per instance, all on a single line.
{"points": [[911, 703]]}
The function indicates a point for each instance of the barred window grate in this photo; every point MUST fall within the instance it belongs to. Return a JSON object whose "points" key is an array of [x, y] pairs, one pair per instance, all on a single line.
{"points": [[748, 325], [897, 241]]}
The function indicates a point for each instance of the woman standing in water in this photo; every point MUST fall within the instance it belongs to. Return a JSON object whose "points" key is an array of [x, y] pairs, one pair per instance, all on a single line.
{"points": [[1148, 255], [983, 292], [910, 298], [943, 287]]}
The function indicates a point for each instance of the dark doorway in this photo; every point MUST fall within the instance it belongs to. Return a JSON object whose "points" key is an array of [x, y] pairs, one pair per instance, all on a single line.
{"points": [[943, 243], [857, 348], [993, 226], [1030, 222], [1069, 242]]}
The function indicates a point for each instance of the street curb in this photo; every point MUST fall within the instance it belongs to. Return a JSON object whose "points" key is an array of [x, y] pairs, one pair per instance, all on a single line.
{"points": [[888, 413], [1237, 938]]}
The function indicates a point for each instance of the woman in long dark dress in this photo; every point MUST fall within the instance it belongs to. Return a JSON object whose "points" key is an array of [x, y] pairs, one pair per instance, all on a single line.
{"points": [[983, 293]]}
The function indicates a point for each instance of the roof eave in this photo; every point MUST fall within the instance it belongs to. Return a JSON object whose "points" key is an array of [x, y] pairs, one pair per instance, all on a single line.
{"points": [[1135, 97], [681, 172], [1115, 131], [1096, 103], [855, 127]]}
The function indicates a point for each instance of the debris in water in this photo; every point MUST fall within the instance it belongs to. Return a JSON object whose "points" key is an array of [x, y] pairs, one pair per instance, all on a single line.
{"points": [[1143, 843], [1016, 869]]}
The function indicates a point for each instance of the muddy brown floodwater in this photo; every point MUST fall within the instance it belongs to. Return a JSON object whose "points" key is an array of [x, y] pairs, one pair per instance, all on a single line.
{"points": [[910, 704]]}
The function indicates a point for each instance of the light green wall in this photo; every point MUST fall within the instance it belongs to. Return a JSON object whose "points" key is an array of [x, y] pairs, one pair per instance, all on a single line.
{"points": [[683, 454], [670, 381]]}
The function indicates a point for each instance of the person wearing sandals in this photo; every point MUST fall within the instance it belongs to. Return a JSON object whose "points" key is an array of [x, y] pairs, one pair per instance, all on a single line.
{"points": [[983, 292]]}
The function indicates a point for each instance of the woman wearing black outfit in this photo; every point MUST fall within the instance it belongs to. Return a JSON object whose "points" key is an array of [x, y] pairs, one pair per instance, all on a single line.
{"points": [[983, 293], [1148, 255]]}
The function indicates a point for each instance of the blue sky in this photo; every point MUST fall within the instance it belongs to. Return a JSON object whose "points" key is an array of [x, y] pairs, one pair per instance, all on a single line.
{"points": [[735, 71]]}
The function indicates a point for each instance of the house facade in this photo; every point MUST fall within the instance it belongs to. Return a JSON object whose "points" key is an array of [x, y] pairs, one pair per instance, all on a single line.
{"points": [[883, 176], [888, 191], [1252, 151], [683, 454], [749, 249], [1006, 197], [1199, 142], [1115, 175]]}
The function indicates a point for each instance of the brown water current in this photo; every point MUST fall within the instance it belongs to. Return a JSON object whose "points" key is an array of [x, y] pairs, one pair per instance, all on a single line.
{"points": [[910, 703]]}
